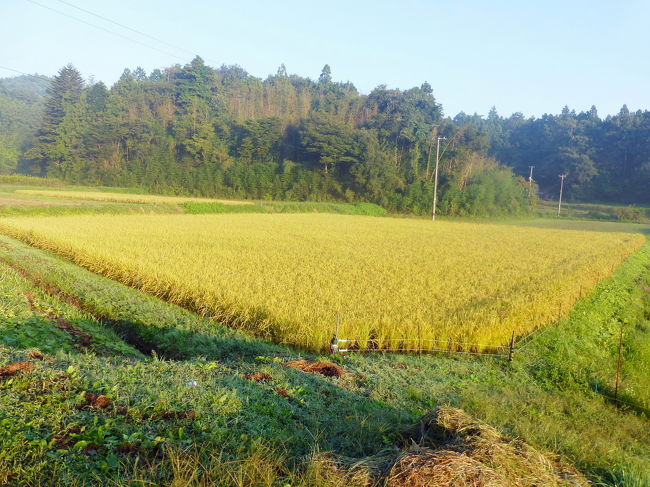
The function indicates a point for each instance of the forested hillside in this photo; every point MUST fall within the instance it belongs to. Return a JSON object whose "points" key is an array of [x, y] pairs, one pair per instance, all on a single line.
{"points": [[222, 132], [604, 159], [21, 106]]}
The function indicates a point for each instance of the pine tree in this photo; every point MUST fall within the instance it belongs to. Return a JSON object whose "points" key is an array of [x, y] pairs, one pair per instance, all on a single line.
{"points": [[63, 93]]}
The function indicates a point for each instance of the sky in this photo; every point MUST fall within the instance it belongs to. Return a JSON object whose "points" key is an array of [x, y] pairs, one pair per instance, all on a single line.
{"points": [[533, 57]]}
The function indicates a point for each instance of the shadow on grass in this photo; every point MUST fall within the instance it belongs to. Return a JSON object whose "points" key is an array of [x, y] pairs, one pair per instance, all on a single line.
{"points": [[146, 322], [624, 401]]}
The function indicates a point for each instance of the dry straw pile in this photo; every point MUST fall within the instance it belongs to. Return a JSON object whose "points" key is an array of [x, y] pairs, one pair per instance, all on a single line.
{"points": [[449, 448]]}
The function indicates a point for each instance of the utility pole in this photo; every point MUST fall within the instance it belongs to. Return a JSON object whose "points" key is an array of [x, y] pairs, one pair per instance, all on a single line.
{"points": [[530, 183], [435, 182], [618, 365], [559, 205], [435, 131]]}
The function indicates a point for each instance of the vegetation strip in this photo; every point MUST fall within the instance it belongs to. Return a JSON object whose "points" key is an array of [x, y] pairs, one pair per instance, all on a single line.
{"points": [[126, 330], [82, 339]]}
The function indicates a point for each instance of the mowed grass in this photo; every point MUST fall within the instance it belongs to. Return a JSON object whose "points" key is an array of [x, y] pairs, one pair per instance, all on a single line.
{"points": [[126, 197], [290, 278]]}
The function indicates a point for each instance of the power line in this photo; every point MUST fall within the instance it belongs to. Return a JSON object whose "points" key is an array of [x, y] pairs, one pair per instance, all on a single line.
{"points": [[105, 29], [14, 70], [26, 74], [127, 27]]}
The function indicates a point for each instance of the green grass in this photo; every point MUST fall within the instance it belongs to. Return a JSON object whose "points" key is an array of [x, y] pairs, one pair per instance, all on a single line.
{"points": [[30, 180], [209, 208], [29, 318], [547, 396], [19, 204], [595, 211], [368, 209], [584, 225], [230, 415]]}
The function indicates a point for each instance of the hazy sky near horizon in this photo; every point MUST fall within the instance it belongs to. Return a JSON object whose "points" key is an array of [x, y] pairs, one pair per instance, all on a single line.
{"points": [[521, 56]]}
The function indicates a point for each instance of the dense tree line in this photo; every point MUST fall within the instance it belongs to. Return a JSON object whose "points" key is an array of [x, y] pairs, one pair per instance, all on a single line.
{"points": [[222, 132], [21, 106], [604, 159]]}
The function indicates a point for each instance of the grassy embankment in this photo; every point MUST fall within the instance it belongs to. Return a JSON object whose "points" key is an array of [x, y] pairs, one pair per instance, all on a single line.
{"points": [[132, 200], [240, 432], [21, 196], [595, 211]]}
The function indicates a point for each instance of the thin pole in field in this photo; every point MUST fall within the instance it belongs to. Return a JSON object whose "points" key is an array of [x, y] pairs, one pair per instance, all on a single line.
{"points": [[434, 131], [435, 183], [511, 352], [530, 184], [338, 323], [559, 205], [334, 344], [620, 363]]}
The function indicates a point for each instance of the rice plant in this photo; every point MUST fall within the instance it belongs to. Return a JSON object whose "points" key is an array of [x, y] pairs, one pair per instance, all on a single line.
{"points": [[297, 278]]}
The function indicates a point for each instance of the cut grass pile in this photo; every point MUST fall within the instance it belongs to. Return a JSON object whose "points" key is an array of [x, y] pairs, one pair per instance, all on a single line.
{"points": [[126, 197], [290, 278], [449, 448]]}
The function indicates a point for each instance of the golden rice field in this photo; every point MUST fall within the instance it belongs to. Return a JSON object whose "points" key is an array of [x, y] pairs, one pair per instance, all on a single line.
{"points": [[126, 197], [288, 276]]}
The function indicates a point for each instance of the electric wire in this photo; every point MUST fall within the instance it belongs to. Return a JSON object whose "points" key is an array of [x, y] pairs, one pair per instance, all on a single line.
{"points": [[105, 30], [139, 32], [25, 74]]}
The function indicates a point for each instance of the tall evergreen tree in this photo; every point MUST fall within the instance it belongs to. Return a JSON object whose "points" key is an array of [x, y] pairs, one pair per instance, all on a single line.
{"points": [[49, 147]]}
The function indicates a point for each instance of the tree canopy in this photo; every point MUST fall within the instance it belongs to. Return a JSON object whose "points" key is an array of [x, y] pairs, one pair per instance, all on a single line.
{"points": [[222, 132]]}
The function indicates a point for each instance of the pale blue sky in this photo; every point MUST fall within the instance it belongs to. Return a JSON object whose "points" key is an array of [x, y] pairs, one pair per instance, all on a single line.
{"points": [[528, 56]]}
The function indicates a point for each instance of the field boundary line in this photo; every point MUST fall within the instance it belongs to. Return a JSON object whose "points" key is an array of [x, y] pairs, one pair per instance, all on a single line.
{"points": [[494, 350]]}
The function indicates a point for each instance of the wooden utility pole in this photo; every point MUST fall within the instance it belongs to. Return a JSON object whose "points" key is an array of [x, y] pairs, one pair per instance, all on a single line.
{"points": [[559, 205], [530, 184], [435, 183], [511, 353], [620, 363]]}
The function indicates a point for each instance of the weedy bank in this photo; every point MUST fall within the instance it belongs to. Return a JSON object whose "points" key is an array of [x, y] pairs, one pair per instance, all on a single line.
{"points": [[292, 278]]}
